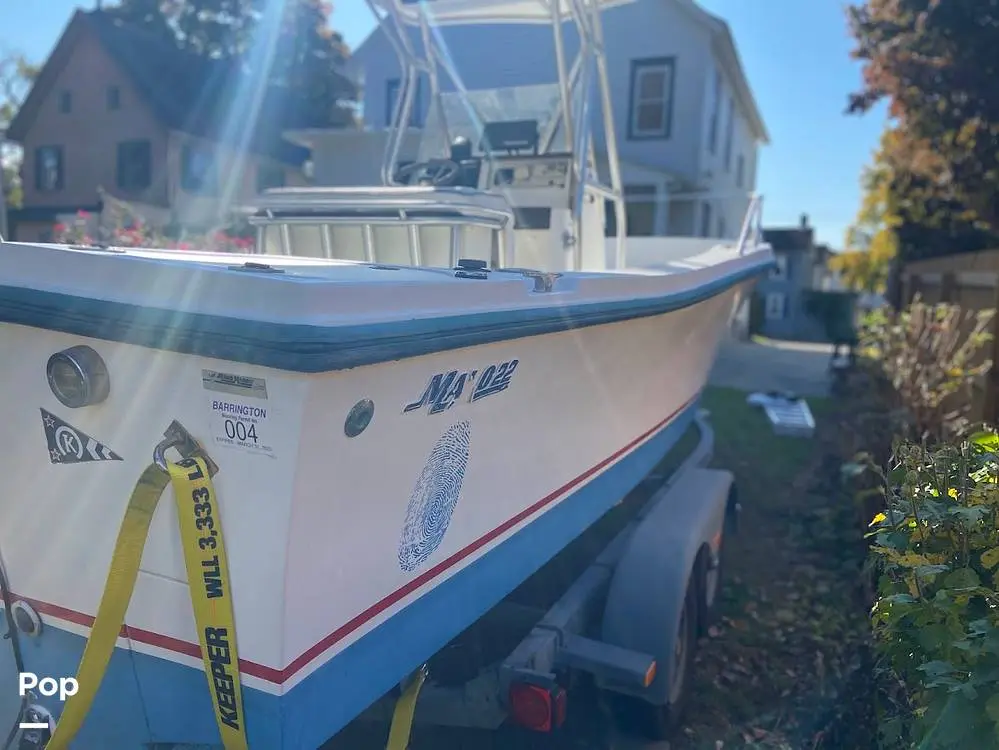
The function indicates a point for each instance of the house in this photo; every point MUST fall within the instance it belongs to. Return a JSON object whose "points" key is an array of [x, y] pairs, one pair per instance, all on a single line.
{"points": [[686, 121], [117, 108], [801, 266]]}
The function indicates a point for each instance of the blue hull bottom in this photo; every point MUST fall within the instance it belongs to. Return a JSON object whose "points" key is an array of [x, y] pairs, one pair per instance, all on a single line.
{"points": [[175, 706]]}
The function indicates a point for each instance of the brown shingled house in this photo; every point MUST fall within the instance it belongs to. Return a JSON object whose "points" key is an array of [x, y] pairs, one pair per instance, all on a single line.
{"points": [[117, 108]]}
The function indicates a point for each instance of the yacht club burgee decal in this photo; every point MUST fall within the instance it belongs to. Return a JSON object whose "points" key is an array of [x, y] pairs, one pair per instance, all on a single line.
{"points": [[434, 497], [69, 445]]}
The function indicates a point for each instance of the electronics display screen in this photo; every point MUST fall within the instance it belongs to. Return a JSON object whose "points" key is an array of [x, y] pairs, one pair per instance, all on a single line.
{"points": [[530, 172]]}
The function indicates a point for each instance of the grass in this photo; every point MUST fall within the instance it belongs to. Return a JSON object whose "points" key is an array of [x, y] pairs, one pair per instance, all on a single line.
{"points": [[792, 628], [745, 439]]}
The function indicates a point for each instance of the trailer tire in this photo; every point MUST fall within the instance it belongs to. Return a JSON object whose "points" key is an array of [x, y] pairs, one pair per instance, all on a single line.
{"points": [[658, 722]]}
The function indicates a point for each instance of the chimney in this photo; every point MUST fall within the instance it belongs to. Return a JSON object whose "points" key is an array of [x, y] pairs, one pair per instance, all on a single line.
{"points": [[804, 221]]}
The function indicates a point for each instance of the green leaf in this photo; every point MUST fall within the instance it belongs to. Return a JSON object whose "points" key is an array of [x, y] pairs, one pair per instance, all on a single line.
{"points": [[953, 725], [929, 571], [990, 558], [962, 578], [992, 707], [937, 668], [987, 440], [933, 638]]}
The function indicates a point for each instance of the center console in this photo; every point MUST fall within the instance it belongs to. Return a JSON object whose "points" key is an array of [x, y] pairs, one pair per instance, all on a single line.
{"points": [[529, 181]]}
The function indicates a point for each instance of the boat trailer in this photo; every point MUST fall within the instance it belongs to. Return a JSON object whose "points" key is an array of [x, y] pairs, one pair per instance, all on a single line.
{"points": [[631, 621]]}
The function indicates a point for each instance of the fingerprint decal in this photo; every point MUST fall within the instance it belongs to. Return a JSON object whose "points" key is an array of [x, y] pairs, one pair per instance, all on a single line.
{"points": [[434, 498]]}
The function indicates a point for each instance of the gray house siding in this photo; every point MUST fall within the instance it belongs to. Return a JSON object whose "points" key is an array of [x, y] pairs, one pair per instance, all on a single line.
{"points": [[517, 54], [795, 252]]}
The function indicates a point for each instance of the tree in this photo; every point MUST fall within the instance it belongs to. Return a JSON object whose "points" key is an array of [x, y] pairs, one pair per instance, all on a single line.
{"points": [[16, 77], [289, 44], [861, 270], [308, 65], [937, 65], [871, 240], [213, 28]]}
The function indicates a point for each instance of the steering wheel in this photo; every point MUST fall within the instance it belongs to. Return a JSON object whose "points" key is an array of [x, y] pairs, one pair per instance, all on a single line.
{"points": [[434, 172]]}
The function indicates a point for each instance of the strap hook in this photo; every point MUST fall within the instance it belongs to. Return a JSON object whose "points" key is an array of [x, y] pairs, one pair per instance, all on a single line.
{"points": [[176, 436]]}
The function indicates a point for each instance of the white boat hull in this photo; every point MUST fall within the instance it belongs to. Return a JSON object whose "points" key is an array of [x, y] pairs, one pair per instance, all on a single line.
{"points": [[353, 559]]}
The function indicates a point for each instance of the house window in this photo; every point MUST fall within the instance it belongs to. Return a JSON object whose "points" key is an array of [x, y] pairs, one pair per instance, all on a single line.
{"points": [[779, 271], [639, 210], [65, 102], [651, 101], [722, 229], [729, 133], [705, 220], [715, 115], [740, 170], [198, 170], [269, 176], [48, 169], [776, 306], [135, 165], [114, 98], [392, 88]]}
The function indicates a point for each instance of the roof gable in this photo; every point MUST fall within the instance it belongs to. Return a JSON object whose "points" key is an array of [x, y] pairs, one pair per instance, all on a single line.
{"points": [[47, 77], [185, 92], [730, 60]]}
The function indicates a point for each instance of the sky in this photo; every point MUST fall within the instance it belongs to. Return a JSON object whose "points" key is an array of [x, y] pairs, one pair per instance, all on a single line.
{"points": [[796, 55]]}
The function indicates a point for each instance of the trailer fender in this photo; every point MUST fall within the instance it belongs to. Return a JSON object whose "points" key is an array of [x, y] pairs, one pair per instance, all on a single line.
{"points": [[649, 583]]}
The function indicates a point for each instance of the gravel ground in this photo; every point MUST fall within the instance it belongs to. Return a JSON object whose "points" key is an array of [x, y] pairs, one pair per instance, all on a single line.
{"points": [[767, 364]]}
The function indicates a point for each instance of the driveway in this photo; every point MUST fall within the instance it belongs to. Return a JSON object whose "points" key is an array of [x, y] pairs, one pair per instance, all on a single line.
{"points": [[770, 365]]}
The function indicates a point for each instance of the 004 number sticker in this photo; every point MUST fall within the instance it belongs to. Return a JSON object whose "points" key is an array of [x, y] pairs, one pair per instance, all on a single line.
{"points": [[236, 424]]}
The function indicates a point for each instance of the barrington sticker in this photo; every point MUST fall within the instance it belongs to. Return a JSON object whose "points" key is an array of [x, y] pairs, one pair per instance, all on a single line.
{"points": [[236, 423]]}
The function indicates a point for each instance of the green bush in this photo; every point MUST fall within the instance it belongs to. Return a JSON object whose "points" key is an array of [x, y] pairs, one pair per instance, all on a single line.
{"points": [[936, 620], [925, 361], [935, 534]]}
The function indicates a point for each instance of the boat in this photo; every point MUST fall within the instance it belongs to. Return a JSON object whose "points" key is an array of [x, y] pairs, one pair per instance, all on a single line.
{"points": [[410, 398]]}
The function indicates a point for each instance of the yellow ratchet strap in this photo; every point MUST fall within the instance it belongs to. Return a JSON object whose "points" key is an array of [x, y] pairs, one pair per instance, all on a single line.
{"points": [[405, 710], [211, 597]]}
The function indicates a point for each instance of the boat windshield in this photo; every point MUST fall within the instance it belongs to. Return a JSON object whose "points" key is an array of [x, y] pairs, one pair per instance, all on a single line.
{"points": [[467, 115]]}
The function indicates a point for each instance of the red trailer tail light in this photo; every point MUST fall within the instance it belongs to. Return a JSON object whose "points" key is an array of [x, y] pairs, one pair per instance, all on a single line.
{"points": [[535, 707]]}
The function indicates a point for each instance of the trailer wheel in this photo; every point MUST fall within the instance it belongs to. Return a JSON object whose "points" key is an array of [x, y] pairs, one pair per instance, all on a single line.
{"points": [[652, 722]]}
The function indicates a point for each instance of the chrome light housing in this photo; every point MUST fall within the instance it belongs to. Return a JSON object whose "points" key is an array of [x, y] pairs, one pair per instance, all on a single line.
{"points": [[78, 377]]}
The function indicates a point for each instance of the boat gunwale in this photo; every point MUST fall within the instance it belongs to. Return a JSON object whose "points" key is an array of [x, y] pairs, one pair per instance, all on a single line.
{"points": [[316, 348]]}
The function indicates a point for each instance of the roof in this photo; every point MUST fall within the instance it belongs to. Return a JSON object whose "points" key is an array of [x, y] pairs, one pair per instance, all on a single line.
{"points": [[184, 91], [790, 239], [729, 57]]}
